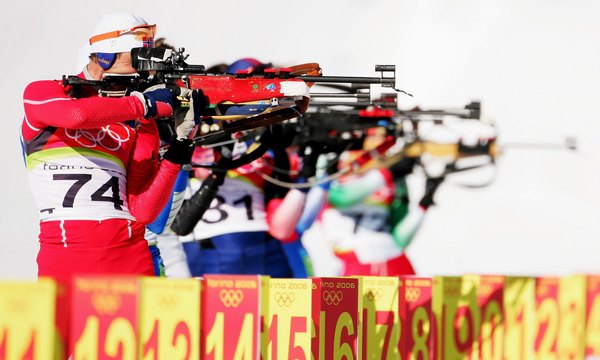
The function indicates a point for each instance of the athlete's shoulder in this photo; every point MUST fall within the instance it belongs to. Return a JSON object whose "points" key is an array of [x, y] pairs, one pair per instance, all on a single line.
{"points": [[41, 90]]}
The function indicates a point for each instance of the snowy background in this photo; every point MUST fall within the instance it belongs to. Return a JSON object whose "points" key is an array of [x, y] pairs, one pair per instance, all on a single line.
{"points": [[535, 66]]}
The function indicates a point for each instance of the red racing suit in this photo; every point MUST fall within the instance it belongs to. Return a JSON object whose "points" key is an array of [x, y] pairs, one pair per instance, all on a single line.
{"points": [[94, 171]]}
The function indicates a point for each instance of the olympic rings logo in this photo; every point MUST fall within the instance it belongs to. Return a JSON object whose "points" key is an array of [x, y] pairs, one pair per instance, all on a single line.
{"points": [[452, 291], [18, 306], [167, 301], [485, 289], [107, 137], [285, 299], [412, 294], [231, 298], [332, 297], [105, 303], [373, 294]]}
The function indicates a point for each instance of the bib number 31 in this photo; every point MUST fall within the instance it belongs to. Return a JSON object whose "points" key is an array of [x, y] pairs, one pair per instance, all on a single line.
{"points": [[220, 214]]}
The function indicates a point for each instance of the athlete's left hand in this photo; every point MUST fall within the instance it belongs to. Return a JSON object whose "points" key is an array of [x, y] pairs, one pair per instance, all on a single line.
{"points": [[185, 126], [431, 186], [309, 161]]}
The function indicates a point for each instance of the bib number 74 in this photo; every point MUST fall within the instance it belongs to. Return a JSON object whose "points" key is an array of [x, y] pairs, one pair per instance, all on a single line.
{"points": [[99, 195]]}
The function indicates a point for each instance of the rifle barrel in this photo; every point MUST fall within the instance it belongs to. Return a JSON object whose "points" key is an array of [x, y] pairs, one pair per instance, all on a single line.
{"points": [[341, 95], [385, 81], [354, 104], [459, 113]]}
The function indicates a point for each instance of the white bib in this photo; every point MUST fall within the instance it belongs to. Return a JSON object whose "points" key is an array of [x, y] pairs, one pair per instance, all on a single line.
{"points": [[91, 187], [238, 207], [362, 229]]}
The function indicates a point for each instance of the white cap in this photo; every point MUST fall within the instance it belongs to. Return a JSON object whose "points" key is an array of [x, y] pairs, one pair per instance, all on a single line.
{"points": [[116, 33]]}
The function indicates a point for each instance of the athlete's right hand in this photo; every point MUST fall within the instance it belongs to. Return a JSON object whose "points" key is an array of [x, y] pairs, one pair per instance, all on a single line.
{"points": [[152, 99]]}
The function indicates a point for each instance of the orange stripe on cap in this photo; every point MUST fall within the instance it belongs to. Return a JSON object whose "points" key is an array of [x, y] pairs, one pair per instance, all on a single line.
{"points": [[117, 33], [105, 36]]}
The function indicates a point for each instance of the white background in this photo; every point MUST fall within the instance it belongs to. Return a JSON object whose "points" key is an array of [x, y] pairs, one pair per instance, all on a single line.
{"points": [[534, 64]]}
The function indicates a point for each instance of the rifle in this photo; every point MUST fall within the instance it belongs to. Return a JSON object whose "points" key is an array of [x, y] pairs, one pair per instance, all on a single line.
{"points": [[237, 102], [339, 130], [335, 128], [325, 122]]}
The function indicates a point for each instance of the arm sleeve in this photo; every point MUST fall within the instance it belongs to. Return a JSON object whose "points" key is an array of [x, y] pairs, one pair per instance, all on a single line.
{"points": [[283, 207], [47, 103], [353, 191], [193, 208], [149, 184], [400, 202], [316, 199], [405, 228], [166, 216], [283, 215], [404, 232]]}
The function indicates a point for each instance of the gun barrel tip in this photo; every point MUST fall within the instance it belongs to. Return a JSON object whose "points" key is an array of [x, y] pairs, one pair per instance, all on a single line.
{"points": [[571, 143], [385, 67]]}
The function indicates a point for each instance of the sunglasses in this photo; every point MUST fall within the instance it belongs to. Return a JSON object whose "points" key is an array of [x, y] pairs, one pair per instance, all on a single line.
{"points": [[147, 30]]}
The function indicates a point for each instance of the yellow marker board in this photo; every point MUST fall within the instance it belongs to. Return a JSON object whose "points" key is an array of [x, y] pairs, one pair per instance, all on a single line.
{"points": [[27, 315], [288, 334], [457, 317], [490, 296], [264, 316], [380, 330], [547, 318], [592, 339], [519, 312], [572, 299], [169, 318]]}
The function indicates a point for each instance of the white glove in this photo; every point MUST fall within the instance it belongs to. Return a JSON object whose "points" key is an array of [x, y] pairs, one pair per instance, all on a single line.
{"points": [[185, 126]]}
